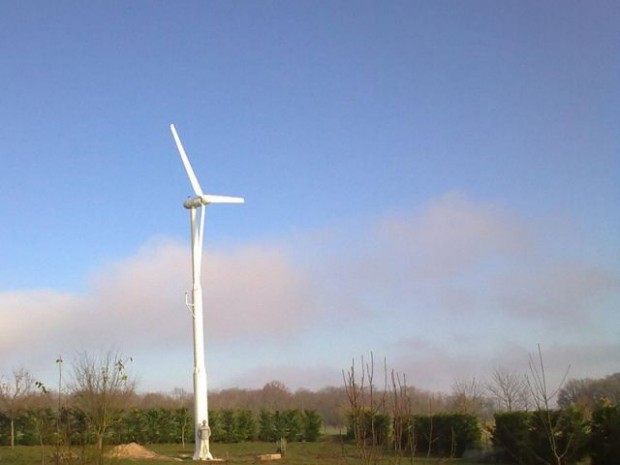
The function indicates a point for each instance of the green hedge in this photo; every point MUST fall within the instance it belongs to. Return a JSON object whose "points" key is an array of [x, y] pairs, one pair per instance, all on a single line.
{"points": [[157, 425], [441, 435], [444, 434], [33, 427], [292, 425], [368, 426], [510, 437], [153, 426], [541, 437], [232, 425], [605, 435]]}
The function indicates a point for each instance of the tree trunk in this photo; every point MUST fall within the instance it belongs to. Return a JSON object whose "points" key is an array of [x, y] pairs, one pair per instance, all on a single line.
{"points": [[12, 432], [100, 448]]}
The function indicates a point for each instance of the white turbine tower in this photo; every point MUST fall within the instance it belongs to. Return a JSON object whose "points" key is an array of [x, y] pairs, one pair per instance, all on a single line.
{"points": [[201, 413]]}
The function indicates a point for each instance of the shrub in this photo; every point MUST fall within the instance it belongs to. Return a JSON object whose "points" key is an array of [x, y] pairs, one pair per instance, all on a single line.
{"points": [[229, 432], [246, 425], [288, 424], [266, 426], [369, 427], [605, 435], [543, 436], [510, 438], [215, 423], [445, 435], [559, 434], [4, 429], [312, 423]]}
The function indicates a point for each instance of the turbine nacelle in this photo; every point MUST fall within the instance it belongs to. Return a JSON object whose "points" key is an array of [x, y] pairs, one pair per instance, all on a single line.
{"points": [[209, 199]]}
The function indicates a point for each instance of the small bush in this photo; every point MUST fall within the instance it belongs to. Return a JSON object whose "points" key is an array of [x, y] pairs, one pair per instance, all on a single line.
{"points": [[543, 436], [445, 435], [511, 437], [266, 426], [312, 423], [246, 425], [605, 435], [370, 427]]}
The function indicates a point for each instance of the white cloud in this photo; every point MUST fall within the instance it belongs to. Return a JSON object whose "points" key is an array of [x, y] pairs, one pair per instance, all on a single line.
{"points": [[471, 279], [136, 306], [453, 233], [256, 290], [139, 300], [29, 319], [248, 291], [561, 294]]}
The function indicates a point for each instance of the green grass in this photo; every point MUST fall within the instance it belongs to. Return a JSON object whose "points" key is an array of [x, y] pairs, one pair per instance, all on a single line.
{"points": [[329, 451]]}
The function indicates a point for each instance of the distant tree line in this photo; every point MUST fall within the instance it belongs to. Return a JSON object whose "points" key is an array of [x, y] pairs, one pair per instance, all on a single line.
{"points": [[590, 393], [97, 403]]}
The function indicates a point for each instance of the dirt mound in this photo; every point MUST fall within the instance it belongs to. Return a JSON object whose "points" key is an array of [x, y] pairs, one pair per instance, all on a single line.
{"points": [[136, 451]]}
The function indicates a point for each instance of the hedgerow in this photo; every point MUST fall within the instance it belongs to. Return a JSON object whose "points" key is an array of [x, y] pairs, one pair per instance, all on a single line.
{"points": [[159, 425]]}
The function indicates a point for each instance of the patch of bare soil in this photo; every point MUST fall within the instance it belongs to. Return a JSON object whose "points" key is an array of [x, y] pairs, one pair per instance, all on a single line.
{"points": [[136, 451]]}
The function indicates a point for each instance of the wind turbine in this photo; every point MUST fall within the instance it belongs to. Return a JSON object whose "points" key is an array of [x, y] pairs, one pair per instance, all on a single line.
{"points": [[201, 412]]}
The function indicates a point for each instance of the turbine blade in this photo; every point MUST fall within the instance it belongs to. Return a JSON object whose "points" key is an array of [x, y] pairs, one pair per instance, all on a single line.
{"points": [[186, 163], [207, 199]]}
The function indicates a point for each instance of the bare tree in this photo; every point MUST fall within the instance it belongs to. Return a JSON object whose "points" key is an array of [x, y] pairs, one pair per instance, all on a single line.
{"points": [[101, 389], [542, 397], [509, 390], [468, 396], [366, 405], [402, 415], [537, 382], [275, 395], [588, 393], [15, 395]]}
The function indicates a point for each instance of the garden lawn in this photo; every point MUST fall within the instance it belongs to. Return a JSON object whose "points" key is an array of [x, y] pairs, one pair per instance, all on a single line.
{"points": [[328, 451]]}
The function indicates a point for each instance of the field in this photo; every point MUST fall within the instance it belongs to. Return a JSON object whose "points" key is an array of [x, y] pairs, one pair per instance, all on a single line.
{"points": [[325, 452]]}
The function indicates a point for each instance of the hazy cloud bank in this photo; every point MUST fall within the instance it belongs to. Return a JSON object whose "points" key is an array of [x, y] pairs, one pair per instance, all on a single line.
{"points": [[449, 290]]}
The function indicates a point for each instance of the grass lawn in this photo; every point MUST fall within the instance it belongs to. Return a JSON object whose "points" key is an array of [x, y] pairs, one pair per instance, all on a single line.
{"points": [[326, 452]]}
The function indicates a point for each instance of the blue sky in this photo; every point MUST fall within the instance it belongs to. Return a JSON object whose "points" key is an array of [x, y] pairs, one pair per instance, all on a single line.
{"points": [[436, 182]]}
